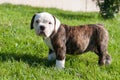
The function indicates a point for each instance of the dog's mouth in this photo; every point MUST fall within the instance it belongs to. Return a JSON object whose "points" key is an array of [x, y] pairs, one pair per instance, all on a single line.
{"points": [[41, 33]]}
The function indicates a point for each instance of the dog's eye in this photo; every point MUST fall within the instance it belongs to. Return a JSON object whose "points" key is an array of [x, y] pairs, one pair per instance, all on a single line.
{"points": [[37, 21], [50, 23]]}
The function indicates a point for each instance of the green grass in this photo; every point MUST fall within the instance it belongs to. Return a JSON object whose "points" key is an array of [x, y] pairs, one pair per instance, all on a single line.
{"points": [[23, 55]]}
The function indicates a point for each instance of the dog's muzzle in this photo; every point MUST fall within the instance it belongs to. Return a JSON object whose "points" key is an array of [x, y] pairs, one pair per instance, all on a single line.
{"points": [[41, 31]]}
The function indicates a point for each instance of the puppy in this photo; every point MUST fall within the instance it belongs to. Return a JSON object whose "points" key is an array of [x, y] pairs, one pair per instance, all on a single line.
{"points": [[62, 39]]}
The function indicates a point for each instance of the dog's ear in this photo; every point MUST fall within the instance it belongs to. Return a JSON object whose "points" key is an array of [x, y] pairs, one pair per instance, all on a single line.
{"points": [[56, 23], [32, 20]]}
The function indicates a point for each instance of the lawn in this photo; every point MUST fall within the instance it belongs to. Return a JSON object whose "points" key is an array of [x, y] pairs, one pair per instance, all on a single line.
{"points": [[23, 55]]}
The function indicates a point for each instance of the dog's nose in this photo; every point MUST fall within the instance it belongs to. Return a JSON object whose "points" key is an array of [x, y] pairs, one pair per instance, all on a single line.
{"points": [[42, 28]]}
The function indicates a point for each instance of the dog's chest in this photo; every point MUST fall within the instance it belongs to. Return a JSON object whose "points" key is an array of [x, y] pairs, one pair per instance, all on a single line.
{"points": [[48, 43]]}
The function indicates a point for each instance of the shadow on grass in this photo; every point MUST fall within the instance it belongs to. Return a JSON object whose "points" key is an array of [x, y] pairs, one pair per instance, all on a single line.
{"points": [[31, 60]]}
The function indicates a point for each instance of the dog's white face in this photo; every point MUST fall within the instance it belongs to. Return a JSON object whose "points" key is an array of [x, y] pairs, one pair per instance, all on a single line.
{"points": [[44, 24]]}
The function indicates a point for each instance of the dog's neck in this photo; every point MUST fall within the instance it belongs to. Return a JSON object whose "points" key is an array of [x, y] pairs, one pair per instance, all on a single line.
{"points": [[54, 31]]}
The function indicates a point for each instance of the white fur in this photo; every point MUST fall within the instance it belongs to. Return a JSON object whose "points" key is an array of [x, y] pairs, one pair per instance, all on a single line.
{"points": [[107, 62], [60, 63], [48, 43], [44, 19], [51, 56], [57, 24]]}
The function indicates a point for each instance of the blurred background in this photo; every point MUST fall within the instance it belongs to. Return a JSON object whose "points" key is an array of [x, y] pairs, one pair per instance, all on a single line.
{"points": [[71, 5]]}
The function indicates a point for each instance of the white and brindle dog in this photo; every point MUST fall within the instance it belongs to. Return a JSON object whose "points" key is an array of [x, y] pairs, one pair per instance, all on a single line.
{"points": [[62, 39]]}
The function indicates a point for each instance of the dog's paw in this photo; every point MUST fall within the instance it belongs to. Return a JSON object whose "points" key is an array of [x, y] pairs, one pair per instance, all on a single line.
{"points": [[51, 56], [108, 61], [60, 64]]}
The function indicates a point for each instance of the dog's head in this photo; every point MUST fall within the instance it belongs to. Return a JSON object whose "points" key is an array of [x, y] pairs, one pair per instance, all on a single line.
{"points": [[44, 24]]}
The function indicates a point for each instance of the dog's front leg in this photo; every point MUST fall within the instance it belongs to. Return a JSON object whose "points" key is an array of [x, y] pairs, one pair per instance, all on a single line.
{"points": [[60, 57], [51, 55]]}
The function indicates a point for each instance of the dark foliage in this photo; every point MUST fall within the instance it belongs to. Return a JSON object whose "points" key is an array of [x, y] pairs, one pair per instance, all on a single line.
{"points": [[108, 8]]}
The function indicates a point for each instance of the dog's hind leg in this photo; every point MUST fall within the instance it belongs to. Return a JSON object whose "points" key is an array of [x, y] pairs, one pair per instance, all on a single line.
{"points": [[102, 45], [104, 57]]}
